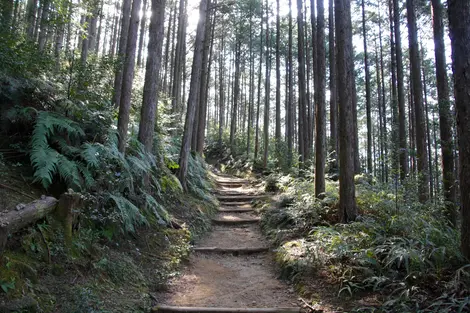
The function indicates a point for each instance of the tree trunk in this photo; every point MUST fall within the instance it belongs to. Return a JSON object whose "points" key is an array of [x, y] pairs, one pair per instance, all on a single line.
{"points": [[459, 24], [333, 90], [221, 90], [445, 119], [152, 74], [142, 35], [169, 38], [303, 123], [320, 89], [236, 94], [259, 86], [420, 121], [128, 77], [31, 9], [205, 78], [178, 71], [368, 101], [347, 197], [290, 102], [192, 98], [44, 24], [267, 96], [402, 149], [278, 81], [126, 9]]}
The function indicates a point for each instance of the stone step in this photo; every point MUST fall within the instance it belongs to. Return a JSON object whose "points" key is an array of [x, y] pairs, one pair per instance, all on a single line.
{"points": [[238, 204], [235, 251], [235, 221], [235, 210], [240, 198], [182, 309], [230, 184]]}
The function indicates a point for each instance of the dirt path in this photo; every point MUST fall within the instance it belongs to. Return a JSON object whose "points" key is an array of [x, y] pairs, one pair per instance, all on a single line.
{"points": [[241, 279]]}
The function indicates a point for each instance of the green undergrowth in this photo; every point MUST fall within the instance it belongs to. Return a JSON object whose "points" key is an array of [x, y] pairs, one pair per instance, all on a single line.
{"points": [[134, 225], [398, 252], [100, 273]]}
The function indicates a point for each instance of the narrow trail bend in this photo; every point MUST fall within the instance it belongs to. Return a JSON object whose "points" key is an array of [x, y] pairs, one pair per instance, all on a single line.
{"points": [[231, 269]]}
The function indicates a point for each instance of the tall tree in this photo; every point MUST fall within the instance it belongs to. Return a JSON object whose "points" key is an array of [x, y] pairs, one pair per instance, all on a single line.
{"points": [[278, 79], [459, 24], [128, 76], [193, 91], [152, 74], [290, 133], [303, 122], [125, 20], [332, 84], [368, 100], [320, 115], [258, 102], [420, 120], [402, 149], [267, 97], [178, 59], [347, 196], [445, 120], [205, 77], [142, 33]]}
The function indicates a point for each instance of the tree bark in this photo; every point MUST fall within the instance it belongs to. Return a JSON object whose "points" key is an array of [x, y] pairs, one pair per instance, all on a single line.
{"points": [[126, 10], [320, 115], [347, 197], [290, 102], [445, 118], [152, 74], [205, 78], [420, 121], [259, 85], [459, 24], [142, 35], [179, 51], [192, 98], [368, 100], [267, 96], [128, 77], [278, 81], [333, 89], [402, 149], [303, 123]]}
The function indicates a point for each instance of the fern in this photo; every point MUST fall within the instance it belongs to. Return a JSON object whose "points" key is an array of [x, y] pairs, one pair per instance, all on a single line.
{"points": [[90, 153], [157, 209], [129, 213], [69, 172], [46, 160]]}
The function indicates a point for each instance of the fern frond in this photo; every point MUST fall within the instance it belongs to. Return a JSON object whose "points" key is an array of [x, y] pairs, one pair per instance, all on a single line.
{"points": [[158, 210], [87, 176], [90, 153], [129, 213], [68, 171], [138, 165], [44, 161], [65, 148]]}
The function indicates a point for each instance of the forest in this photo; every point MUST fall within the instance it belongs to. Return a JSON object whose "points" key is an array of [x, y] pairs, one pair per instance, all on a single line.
{"points": [[160, 155]]}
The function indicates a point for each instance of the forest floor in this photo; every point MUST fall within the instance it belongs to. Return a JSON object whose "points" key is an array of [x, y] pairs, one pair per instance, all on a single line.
{"points": [[233, 267], [243, 276]]}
